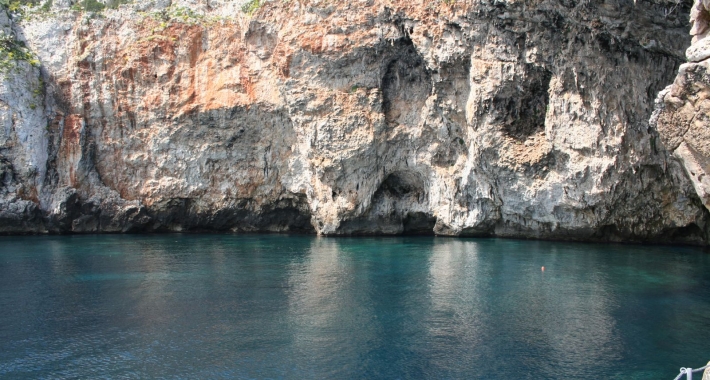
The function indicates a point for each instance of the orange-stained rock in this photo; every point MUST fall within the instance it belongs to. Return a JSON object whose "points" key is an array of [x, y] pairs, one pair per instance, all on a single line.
{"points": [[507, 118]]}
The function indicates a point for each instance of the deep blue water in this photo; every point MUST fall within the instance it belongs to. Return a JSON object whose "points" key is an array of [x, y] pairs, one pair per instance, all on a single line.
{"points": [[271, 306]]}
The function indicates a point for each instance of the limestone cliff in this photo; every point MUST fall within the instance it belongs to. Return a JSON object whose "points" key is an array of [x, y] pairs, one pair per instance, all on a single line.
{"points": [[682, 114], [494, 117]]}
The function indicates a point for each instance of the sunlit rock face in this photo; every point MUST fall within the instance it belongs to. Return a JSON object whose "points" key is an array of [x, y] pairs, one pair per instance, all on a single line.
{"points": [[505, 118], [682, 114]]}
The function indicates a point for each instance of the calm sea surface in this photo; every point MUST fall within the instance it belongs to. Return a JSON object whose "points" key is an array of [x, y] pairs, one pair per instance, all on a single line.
{"points": [[271, 306]]}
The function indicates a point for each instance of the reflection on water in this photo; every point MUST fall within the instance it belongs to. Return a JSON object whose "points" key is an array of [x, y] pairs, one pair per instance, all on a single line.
{"points": [[329, 309], [505, 306], [214, 306], [457, 311]]}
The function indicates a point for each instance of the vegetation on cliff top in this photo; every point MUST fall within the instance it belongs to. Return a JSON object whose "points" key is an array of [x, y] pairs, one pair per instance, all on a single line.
{"points": [[13, 50], [21, 7]]}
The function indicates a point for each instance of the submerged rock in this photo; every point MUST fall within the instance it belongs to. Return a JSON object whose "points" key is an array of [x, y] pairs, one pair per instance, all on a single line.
{"points": [[500, 118]]}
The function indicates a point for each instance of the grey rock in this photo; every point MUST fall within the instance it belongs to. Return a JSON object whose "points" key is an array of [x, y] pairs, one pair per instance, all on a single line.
{"points": [[699, 51], [325, 117]]}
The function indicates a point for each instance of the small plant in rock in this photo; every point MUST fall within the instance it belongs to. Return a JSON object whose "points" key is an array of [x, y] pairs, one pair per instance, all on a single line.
{"points": [[92, 6], [184, 14], [16, 7], [174, 14], [114, 4], [38, 91], [15, 4], [12, 51], [37, 12], [251, 6]]}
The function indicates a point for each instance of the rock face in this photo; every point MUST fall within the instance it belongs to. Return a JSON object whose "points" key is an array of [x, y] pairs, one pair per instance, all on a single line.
{"points": [[682, 114], [503, 118]]}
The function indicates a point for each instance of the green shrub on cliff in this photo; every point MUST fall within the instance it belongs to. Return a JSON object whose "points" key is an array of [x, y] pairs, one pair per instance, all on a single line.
{"points": [[251, 6], [12, 51], [182, 15], [185, 15], [16, 7], [88, 6], [114, 4]]}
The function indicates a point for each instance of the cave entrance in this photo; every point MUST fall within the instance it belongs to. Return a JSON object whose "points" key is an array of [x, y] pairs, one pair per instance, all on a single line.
{"points": [[401, 186], [524, 110]]}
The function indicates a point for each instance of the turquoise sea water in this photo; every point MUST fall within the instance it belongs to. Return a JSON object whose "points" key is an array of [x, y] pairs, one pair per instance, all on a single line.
{"points": [[298, 307]]}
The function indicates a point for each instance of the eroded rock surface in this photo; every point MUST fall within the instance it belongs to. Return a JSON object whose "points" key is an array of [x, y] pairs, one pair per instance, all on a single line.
{"points": [[505, 118], [682, 114]]}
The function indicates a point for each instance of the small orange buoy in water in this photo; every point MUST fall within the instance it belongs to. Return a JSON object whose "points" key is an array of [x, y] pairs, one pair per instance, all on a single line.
{"points": [[543, 269]]}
